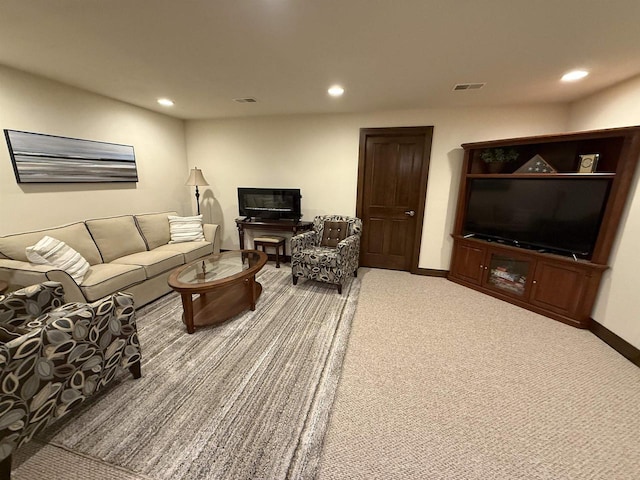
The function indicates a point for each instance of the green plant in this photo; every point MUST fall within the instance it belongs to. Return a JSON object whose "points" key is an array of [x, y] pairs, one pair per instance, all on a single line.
{"points": [[499, 155]]}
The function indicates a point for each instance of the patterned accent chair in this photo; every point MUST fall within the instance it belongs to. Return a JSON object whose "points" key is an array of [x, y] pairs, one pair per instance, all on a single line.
{"points": [[54, 356], [328, 253]]}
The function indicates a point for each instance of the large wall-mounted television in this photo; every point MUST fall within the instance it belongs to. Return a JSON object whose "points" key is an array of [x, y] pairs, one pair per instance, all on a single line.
{"points": [[556, 215], [269, 203]]}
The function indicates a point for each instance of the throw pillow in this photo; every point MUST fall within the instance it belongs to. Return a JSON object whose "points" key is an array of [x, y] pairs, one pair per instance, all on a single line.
{"points": [[333, 233], [186, 229], [53, 252]]}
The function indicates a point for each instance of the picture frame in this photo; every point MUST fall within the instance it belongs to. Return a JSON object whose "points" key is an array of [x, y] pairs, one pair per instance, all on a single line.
{"points": [[42, 158], [588, 162]]}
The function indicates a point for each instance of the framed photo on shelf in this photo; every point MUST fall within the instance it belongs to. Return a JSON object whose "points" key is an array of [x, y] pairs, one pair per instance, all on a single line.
{"points": [[588, 163]]}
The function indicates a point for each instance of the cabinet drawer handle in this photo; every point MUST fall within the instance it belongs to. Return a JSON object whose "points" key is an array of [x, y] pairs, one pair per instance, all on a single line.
{"points": [[535, 281]]}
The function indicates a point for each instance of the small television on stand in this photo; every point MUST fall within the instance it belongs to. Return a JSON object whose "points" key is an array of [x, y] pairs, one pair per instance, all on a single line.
{"points": [[269, 203]]}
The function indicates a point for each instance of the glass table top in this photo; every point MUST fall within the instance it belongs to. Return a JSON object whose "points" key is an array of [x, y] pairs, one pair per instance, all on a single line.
{"points": [[218, 267]]}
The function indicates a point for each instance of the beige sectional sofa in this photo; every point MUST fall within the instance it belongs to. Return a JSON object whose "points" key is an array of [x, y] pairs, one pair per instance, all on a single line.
{"points": [[129, 253]]}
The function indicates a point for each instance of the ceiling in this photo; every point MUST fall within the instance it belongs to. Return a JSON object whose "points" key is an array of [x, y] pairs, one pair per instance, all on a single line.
{"points": [[387, 54]]}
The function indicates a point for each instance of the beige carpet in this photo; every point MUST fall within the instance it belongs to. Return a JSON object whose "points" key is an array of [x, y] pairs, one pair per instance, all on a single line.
{"points": [[441, 382]]}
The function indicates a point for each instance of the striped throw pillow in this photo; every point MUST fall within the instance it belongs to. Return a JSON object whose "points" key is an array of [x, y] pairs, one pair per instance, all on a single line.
{"points": [[53, 252], [186, 229]]}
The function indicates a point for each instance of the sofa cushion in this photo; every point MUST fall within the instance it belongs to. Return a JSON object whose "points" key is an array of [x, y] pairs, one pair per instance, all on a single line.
{"points": [[154, 228], [75, 235], [116, 237], [190, 250], [50, 251], [154, 262], [186, 229], [106, 278]]}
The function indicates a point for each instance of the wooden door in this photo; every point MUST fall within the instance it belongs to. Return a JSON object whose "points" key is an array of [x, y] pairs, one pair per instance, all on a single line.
{"points": [[392, 184]]}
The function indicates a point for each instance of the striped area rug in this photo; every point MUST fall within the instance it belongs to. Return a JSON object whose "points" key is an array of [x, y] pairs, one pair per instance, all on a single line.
{"points": [[249, 399]]}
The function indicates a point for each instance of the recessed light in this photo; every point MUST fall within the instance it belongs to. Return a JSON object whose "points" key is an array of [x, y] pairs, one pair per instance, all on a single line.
{"points": [[336, 91], [574, 75], [165, 102]]}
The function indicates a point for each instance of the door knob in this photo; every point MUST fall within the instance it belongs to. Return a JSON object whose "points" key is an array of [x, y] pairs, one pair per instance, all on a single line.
{"points": [[411, 213]]}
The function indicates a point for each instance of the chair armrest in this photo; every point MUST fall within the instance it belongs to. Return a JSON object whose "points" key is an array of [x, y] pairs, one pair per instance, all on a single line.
{"points": [[349, 250], [61, 371], [303, 240], [20, 307]]}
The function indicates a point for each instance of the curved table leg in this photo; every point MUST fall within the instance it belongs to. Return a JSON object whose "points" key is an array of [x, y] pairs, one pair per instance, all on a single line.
{"points": [[187, 307]]}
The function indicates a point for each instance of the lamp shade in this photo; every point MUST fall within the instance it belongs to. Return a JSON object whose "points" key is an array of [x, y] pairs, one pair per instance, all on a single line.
{"points": [[196, 178]]}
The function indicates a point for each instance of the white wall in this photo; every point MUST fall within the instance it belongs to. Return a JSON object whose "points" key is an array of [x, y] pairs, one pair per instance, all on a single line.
{"points": [[38, 105], [618, 304], [319, 155]]}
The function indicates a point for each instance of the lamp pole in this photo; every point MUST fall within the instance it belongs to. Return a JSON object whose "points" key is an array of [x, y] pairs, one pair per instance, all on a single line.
{"points": [[196, 179]]}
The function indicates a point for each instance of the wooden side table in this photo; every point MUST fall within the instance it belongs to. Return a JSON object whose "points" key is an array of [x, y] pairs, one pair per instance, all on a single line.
{"points": [[270, 241]]}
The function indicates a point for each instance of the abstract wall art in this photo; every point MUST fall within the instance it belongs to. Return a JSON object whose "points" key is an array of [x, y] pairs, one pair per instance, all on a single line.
{"points": [[40, 158]]}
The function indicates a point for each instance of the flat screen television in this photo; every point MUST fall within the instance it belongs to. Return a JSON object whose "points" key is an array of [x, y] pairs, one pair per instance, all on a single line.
{"points": [[556, 215], [269, 203]]}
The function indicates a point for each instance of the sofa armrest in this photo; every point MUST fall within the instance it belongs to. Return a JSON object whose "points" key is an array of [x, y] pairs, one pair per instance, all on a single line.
{"points": [[303, 240], [212, 234], [20, 307], [72, 292], [20, 274]]}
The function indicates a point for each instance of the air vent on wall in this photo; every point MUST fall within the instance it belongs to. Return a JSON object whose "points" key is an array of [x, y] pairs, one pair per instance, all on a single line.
{"points": [[245, 100], [468, 86]]}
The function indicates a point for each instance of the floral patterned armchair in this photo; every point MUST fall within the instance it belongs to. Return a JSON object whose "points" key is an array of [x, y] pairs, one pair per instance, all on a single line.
{"points": [[330, 252], [55, 356]]}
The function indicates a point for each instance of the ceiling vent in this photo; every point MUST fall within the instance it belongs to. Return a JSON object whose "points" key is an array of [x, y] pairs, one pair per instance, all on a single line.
{"points": [[245, 100], [468, 86]]}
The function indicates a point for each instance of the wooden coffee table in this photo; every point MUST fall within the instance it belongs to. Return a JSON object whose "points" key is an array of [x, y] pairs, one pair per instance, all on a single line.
{"points": [[226, 285]]}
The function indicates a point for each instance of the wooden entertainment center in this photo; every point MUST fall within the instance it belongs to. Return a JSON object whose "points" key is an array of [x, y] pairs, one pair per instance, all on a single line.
{"points": [[561, 287]]}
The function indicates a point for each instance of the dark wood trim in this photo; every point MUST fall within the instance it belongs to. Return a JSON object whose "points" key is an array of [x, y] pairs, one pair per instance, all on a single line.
{"points": [[620, 345], [556, 137], [427, 131], [431, 272]]}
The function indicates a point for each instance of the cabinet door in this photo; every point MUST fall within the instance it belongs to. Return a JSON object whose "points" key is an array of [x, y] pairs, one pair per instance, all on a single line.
{"points": [[559, 287], [468, 262], [508, 273]]}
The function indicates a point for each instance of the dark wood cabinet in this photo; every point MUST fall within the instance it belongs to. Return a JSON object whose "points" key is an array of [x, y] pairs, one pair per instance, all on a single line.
{"points": [[468, 261], [566, 289], [558, 286]]}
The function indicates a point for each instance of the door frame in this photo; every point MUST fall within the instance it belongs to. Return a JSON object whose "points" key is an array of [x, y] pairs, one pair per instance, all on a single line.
{"points": [[427, 133]]}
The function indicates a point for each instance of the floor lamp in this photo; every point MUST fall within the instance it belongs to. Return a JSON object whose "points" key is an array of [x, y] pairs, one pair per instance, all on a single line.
{"points": [[196, 179]]}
